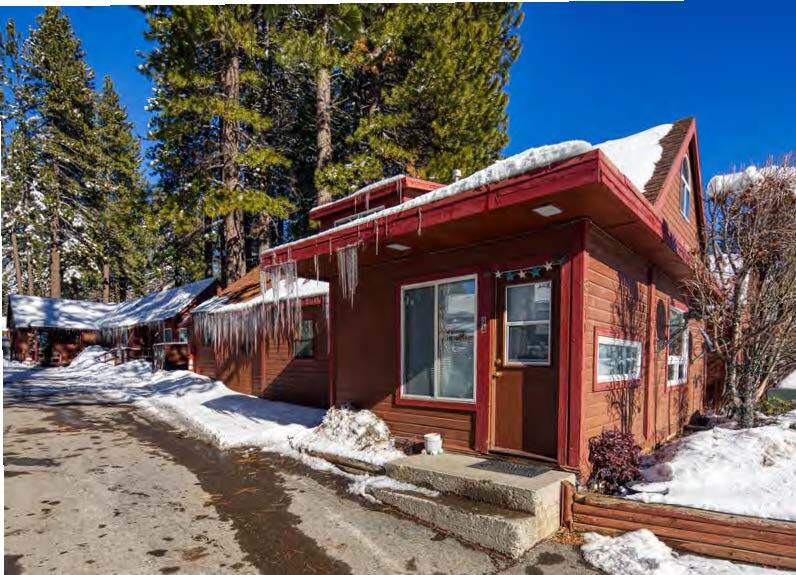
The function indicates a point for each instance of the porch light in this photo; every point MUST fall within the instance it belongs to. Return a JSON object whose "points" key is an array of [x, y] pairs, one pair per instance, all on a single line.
{"points": [[547, 210], [398, 247]]}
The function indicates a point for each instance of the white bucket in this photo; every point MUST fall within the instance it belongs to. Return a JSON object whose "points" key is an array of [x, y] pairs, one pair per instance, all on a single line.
{"points": [[433, 443]]}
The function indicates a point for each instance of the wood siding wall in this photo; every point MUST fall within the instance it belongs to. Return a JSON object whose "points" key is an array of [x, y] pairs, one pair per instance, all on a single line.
{"points": [[366, 337], [618, 287], [67, 343], [297, 380], [668, 207]]}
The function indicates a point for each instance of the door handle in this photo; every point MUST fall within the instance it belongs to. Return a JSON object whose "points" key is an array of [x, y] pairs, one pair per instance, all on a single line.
{"points": [[497, 374]]}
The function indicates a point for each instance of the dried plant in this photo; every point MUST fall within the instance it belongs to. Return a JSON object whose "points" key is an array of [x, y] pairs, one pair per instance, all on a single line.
{"points": [[745, 285]]}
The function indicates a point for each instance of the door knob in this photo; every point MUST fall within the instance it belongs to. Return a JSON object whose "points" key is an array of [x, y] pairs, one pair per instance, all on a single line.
{"points": [[497, 374]]}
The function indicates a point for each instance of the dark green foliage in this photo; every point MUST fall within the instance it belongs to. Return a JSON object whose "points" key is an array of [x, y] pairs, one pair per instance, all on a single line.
{"points": [[772, 406]]}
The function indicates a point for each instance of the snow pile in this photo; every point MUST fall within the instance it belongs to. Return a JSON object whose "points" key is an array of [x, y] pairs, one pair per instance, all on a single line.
{"points": [[641, 553], [637, 155], [361, 191], [88, 360], [788, 382], [358, 435], [740, 471], [229, 419]]}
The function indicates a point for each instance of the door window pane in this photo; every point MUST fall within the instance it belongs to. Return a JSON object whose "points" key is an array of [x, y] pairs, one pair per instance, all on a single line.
{"points": [[418, 341], [529, 343], [528, 323], [528, 302], [456, 338]]}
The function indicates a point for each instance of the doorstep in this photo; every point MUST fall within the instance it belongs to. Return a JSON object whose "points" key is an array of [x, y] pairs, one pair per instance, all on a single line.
{"points": [[516, 498]]}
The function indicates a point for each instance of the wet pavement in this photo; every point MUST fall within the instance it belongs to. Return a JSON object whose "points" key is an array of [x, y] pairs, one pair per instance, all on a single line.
{"points": [[98, 489]]}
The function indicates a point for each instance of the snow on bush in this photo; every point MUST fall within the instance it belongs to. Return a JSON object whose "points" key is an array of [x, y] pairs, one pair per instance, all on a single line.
{"points": [[740, 471], [641, 553], [356, 434]]}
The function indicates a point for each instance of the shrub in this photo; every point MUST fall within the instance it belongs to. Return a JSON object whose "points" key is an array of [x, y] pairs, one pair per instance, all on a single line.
{"points": [[614, 457], [772, 406]]}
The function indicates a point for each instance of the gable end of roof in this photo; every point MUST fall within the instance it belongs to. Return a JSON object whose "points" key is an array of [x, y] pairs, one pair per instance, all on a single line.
{"points": [[671, 144]]}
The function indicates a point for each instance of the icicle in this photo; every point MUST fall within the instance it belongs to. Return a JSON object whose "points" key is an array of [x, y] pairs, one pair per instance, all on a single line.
{"points": [[376, 225], [419, 222], [315, 263], [367, 201], [400, 187], [348, 271]]}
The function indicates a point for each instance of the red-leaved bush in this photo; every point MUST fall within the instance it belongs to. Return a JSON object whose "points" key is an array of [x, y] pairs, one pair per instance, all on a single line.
{"points": [[614, 457]]}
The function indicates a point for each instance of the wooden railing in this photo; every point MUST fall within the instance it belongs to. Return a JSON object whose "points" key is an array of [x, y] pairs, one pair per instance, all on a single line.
{"points": [[122, 354], [736, 537]]}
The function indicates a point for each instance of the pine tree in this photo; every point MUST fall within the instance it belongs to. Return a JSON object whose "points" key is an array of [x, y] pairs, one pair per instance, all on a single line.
{"points": [[61, 98], [432, 103], [211, 146], [122, 229]]}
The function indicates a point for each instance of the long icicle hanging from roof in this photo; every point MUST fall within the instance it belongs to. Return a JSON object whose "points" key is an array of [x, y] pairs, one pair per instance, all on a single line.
{"points": [[233, 330], [283, 316], [348, 271]]}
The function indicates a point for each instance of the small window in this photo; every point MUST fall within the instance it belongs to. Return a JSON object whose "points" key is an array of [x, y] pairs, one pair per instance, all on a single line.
{"points": [[438, 339], [167, 335], [527, 339], [182, 334], [677, 365], [617, 359], [685, 187], [304, 346]]}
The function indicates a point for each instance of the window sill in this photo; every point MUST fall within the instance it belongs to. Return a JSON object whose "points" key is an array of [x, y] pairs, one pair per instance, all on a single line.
{"points": [[450, 405], [673, 384]]}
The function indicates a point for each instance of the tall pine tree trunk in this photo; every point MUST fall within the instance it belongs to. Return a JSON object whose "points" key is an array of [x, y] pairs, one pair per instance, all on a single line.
{"points": [[106, 281], [55, 246], [209, 246], [323, 120], [29, 263], [234, 249], [17, 264]]}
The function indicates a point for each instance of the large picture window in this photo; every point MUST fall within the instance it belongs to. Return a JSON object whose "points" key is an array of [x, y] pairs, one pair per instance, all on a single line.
{"points": [[617, 359], [677, 365], [527, 333], [438, 339]]}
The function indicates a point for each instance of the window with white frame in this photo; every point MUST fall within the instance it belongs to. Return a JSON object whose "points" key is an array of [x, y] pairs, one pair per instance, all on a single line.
{"points": [[617, 359], [527, 333], [182, 334], [685, 187], [677, 368], [167, 335], [438, 339]]}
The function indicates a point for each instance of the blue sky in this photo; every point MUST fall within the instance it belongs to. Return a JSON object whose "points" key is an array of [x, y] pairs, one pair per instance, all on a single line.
{"points": [[590, 71]]}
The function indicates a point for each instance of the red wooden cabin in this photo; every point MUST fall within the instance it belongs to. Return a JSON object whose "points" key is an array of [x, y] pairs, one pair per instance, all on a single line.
{"points": [[294, 371], [524, 309]]}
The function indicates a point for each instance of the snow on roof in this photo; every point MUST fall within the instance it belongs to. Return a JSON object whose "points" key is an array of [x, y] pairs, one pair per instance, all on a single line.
{"points": [[362, 191], [156, 306], [637, 154], [306, 288], [750, 177], [33, 311], [501, 170]]}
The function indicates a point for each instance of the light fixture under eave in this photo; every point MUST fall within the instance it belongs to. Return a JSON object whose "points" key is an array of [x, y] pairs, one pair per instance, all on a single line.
{"points": [[548, 210], [398, 247]]}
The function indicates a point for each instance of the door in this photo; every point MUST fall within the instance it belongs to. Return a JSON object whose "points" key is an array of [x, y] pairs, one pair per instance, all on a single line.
{"points": [[524, 382]]}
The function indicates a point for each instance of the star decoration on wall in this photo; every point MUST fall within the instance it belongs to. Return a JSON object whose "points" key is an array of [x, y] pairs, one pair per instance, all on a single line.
{"points": [[548, 265], [536, 272], [522, 274]]}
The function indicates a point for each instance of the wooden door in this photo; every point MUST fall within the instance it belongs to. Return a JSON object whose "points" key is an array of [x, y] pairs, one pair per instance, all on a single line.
{"points": [[524, 382]]}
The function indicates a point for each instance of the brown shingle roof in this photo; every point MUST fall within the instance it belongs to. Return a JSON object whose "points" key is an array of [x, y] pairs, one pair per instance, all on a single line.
{"points": [[245, 287], [670, 143]]}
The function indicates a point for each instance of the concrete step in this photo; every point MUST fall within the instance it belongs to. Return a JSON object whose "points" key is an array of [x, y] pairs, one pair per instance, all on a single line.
{"points": [[529, 488], [508, 532]]}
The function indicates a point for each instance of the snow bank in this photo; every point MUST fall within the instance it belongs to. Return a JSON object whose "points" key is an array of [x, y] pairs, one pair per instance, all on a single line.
{"points": [[229, 419], [641, 553], [740, 471], [360, 435]]}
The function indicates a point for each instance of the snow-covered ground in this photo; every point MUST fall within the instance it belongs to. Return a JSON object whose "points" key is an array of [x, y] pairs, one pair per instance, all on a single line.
{"points": [[641, 553], [208, 409], [740, 471]]}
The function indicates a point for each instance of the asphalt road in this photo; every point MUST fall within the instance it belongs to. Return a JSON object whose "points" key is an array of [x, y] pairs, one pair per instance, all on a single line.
{"points": [[97, 489]]}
